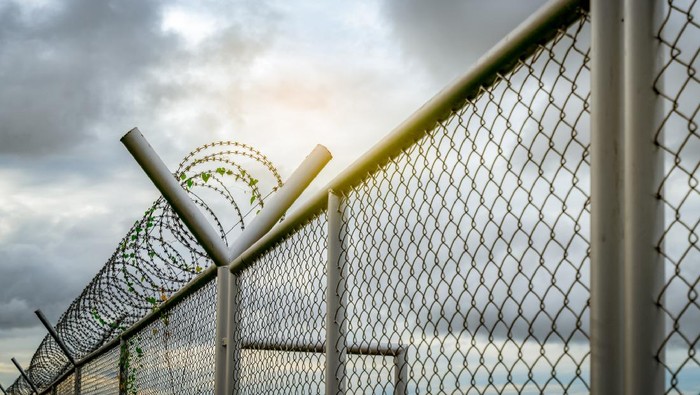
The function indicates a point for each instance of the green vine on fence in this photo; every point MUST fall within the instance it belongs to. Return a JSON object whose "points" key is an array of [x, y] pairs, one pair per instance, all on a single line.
{"points": [[131, 352]]}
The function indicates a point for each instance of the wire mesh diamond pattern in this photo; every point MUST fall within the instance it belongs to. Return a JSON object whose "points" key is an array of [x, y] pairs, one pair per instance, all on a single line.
{"points": [[67, 386], [101, 375], [282, 304], [678, 89], [471, 248], [175, 353]]}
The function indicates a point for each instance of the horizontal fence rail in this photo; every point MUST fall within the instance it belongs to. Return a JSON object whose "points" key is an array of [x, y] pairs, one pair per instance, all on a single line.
{"points": [[453, 257]]}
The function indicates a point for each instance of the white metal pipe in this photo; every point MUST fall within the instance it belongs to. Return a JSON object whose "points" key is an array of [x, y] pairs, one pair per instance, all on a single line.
{"points": [[335, 309], [222, 308], [400, 373], [280, 201], [178, 198], [24, 374], [55, 337], [123, 368], [77, 380], [234, 334], [644, 274], [607, 259]]}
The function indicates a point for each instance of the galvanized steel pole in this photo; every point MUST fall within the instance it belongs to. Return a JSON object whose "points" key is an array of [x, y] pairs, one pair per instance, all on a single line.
{"points": [[280, 202], [607, 259], [178, 198], [644, 222], [234, 334], [62, 346], [335, 308], [123, 366], [222, 307], [400, 372], [55, 337], [77, 378], [26, 377]]}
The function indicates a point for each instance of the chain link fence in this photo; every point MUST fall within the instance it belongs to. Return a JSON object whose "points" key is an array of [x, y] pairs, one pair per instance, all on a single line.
{"points": [[101, 375], [67, 386], [282, 315], [470, 249], [678, 89], [463, 263], [174, 354]]}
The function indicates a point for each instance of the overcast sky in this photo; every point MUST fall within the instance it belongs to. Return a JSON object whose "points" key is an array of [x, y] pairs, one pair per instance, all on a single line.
{"points": [[279, 75]]}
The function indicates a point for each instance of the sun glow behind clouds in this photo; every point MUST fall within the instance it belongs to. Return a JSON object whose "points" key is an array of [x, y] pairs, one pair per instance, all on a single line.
{"points": [[190, 25]]}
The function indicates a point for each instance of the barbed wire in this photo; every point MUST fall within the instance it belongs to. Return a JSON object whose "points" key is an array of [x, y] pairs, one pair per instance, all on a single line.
{"points": [[229, 182]]}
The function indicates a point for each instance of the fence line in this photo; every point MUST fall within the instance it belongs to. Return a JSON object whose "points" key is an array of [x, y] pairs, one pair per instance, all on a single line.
{"points": [[469, 251]]}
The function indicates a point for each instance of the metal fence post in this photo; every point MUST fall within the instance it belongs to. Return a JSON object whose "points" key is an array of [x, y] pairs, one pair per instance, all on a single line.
{"points": [[26, 377], [123, 366], [76, 380], [220, 354], [400, 372], [336, 347], [3, 389], [62, 346], [234, 335], [644, 274], [607, 258], [210, 240]]}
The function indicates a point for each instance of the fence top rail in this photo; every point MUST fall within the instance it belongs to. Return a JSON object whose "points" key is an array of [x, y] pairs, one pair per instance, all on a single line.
{"points": [[197, 283], [517, 45]]}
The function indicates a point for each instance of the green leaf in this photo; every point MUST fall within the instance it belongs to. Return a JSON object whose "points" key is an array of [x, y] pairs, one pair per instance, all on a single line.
{"points": [[221, 170], [229, 172], [252, 199], [151, 300], [189, 183], [183, 176], [253, 181], [206, 176]]}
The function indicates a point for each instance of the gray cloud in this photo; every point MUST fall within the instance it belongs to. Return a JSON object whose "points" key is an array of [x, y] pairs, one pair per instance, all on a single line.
{"points": [[93, 64], [61, 75], [447, 36], [73, 75]]}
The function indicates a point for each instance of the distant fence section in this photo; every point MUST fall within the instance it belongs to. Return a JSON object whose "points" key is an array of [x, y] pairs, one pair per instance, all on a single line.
{"points": [[456, 256]]}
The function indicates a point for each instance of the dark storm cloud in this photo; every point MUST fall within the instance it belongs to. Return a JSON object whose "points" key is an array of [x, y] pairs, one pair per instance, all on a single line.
{"points": [[63, 73], [447, 36], [92, 63], [73, 75]]}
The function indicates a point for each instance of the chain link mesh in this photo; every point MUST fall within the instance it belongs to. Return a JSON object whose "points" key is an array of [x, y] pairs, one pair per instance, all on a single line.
{"points": [[470, 250], [282, 315], [678, 88], [467, 254], [229, 182], [175, 353], [101, 375], [19, 387], [67, 386]]}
